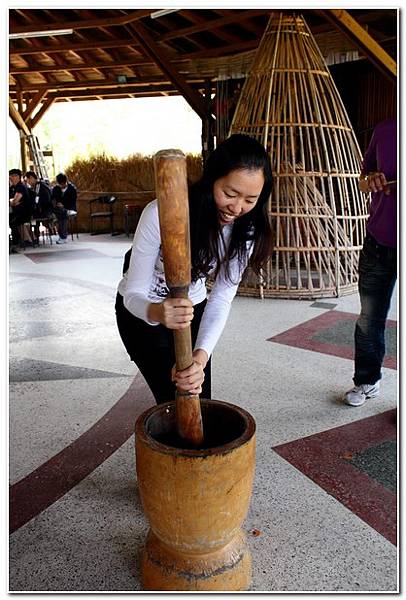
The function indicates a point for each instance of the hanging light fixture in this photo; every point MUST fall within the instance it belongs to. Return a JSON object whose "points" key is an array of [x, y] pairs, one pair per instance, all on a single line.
{"points": [[30, 34], [162, 13]]}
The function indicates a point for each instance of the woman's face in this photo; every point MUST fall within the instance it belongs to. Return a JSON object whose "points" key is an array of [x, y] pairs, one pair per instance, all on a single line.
{"points": [[237, 193]]}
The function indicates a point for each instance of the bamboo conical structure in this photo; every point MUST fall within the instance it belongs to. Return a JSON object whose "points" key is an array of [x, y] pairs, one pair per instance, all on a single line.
{"points": [[290, 103]]}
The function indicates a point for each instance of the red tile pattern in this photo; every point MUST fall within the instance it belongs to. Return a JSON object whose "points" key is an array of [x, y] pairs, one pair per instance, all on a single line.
{"points": [[322, 458], [301, 336], [52, 480]]}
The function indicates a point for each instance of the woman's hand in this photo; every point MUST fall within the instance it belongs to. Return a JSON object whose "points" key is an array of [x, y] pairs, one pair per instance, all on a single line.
{"points": [[174, 313], [190, 380]]}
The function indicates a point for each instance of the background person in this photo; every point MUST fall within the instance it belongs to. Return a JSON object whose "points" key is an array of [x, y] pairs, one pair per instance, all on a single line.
{"points": [[21, 207], [64, 196], [229, 223], [378, 262], [41, 194]]}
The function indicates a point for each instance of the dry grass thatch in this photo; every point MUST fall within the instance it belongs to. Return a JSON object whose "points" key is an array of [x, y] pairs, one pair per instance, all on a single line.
{"points": [[133, 174]]}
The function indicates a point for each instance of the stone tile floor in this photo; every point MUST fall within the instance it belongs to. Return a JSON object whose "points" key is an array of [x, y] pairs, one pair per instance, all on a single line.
{"points": [[75, 514]]}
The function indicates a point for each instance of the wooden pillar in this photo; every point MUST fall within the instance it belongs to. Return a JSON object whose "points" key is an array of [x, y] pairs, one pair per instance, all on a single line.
{"points": [[23, 151], [207, 124]]}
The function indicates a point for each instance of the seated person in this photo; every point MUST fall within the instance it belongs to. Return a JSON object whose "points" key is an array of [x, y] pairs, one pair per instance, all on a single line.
{"points": [[64, 197], [21, 206], [41, 193]]}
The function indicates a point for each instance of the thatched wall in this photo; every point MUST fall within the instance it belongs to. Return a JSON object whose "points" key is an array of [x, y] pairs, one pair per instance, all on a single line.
{"points": [[130, 180]]}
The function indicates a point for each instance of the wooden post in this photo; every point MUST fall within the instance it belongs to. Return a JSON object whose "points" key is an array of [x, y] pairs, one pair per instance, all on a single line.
{"points": [[207, 124], [23, 151]]}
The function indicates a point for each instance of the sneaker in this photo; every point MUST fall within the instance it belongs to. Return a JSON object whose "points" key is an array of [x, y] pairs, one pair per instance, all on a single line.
{"points": [[61, 241], [359, 393]]}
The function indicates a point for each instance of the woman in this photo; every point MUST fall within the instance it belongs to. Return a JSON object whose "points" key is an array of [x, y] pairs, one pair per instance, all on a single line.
{"points": [[229, 225]]}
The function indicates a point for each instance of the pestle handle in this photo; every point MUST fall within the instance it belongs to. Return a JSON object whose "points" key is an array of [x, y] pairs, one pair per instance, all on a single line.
{"points": [[173, 208]]}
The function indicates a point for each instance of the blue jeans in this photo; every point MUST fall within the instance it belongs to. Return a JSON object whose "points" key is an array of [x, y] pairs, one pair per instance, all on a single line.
{"points": [[377, 278]]}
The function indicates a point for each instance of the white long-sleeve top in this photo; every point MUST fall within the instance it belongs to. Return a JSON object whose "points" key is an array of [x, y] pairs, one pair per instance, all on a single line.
{"points": [[144, 282]]}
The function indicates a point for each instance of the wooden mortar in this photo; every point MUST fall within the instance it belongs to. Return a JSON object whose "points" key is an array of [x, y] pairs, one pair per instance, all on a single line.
{"points": [[196, 499]]}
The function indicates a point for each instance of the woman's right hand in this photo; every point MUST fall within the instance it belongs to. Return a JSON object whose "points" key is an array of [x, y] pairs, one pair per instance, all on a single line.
{"points": [[174, 313]]}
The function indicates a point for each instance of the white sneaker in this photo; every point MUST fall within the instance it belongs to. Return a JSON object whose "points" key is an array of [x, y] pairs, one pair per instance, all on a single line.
{"points": [[359, 393], [61, 241]]}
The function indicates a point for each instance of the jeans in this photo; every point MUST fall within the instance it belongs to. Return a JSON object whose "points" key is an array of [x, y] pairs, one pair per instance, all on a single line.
{"points": [[377, 278]]}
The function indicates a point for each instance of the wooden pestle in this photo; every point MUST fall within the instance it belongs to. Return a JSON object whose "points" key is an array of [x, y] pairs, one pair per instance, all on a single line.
{"points": [[173, 207]]}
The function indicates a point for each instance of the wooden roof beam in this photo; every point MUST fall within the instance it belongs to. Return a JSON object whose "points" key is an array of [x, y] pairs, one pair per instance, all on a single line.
{"points": [[345, 23], [212, 24], [101, 83], [89, 63], [152, 50], [198, 20], [134, 15], [17, 118], [121, 91], [33, 104], [75, 47], [42, 111]]}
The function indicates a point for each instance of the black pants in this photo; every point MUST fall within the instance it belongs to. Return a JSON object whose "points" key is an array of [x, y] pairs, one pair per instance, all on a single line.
{"points": [[152, 349], [62, 216], [18, 217]]}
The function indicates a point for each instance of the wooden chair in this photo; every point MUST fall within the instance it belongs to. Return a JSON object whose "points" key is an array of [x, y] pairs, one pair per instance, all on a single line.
{"points": [[101, 208]]}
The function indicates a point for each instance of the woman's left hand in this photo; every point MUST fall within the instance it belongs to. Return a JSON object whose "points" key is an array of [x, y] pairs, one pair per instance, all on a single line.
{"points": [[191, 379]]}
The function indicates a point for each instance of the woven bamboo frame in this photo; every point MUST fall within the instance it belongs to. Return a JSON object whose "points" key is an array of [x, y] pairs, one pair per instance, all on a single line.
{"points": [[290, 103]]}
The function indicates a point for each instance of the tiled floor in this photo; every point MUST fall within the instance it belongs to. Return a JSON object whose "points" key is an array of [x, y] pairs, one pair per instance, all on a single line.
{"points": [[355, 463], [323, 510]]}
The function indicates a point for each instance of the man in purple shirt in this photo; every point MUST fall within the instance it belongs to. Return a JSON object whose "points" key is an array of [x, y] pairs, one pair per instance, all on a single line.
{"points": [[377, 263]]}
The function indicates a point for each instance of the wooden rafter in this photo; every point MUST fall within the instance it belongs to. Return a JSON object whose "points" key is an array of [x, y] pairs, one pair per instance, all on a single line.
{"points": [[210, 24], [126, 90], [192, 43], [75, 47], [47, 104], [86, 84], [153, 51], [17, 118], [196, 18], [33, 104], [362, 40], [89, 64], [85, 24]]}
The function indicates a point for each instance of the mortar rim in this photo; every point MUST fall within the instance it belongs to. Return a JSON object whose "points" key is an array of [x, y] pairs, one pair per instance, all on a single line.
{"points": [[142, 434]]}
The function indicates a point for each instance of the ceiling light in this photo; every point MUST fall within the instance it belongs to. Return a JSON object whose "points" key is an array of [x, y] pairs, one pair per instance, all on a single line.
{"points": [[162, 13], [29, 34]]}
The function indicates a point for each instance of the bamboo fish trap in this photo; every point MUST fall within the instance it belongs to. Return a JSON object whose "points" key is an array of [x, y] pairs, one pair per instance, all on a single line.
{"points": [[290, 103]]}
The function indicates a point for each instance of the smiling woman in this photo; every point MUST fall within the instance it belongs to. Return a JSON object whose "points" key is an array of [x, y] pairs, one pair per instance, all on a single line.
{"points": [[237, 193], [229, 225], [117, 128]]}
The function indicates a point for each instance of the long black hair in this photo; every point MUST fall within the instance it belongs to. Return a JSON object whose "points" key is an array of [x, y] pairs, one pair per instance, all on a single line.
{"points": [[238, 152]]}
